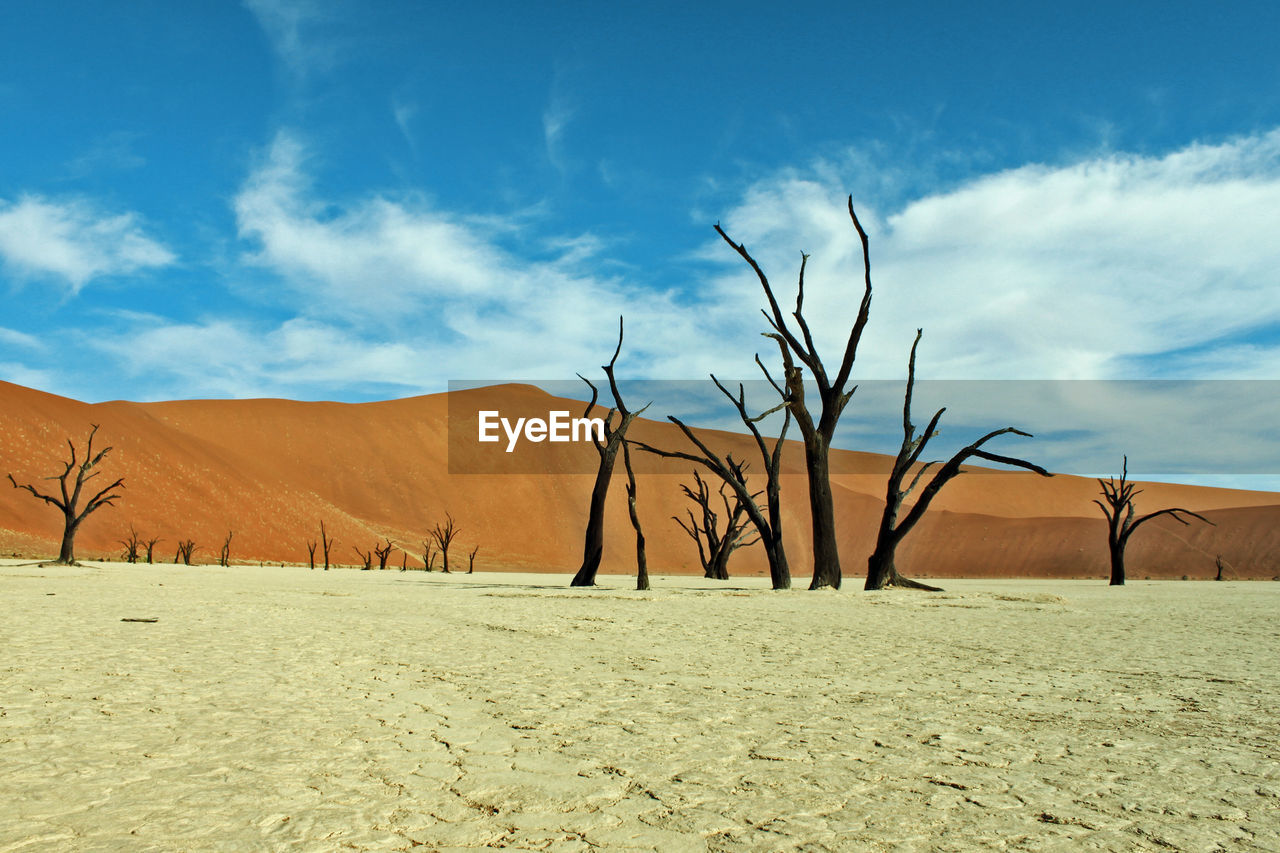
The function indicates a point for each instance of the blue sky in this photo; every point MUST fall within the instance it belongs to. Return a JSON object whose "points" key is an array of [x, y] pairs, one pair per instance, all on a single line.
{"points": [[322, 200]]}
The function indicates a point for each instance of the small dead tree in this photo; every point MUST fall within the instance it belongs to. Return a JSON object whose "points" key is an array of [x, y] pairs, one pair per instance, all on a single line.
{"points": [[186, 550], [311, 553], [881, 569], [326, 545], [715, 545], [131, 544], [224, 556], [443, 535], [642, 561], [733, 473], [1218, 562], [614, 440], [69, 501], [383, 552], [366, 557], [832, 395], [471, 559], [1121, 523], [404, 561], [428, 557], [151, 547]]}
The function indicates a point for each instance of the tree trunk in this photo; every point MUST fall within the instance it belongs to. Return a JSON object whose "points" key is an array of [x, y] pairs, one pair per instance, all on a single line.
{"points": [[826, 556], [1117, 564], [593, 544], [779, 571], [719, 567], [880, 567], [67, 553]]}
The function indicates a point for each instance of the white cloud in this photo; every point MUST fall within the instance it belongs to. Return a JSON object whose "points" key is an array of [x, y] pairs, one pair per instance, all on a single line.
{"points": [[400, 269], [1075, 271], [74, 241]]}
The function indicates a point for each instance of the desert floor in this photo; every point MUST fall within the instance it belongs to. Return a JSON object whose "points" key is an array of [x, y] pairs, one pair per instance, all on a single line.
{"points": [[280, 708]]}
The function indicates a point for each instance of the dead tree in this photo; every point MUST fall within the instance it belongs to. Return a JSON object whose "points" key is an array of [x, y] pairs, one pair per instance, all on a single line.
{"points": [[366, 557], [311, 553], [131, 544], [1121, 523], [831, 393], [383, 552], [471, 559], [151, 547], [326, 545], [443, 534], [715, 545], [733, 473], [614, 438], [186, 550], [1218, 562], [404, 561], [224, 556], [428, 557], [881, 570], [69, 501]]}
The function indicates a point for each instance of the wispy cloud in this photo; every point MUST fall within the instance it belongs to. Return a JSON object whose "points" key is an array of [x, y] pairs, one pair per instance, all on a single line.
{"points": [[555, 118], [291, 27], [404, 114], [1073, 271], [113, 152], [73, 241]]}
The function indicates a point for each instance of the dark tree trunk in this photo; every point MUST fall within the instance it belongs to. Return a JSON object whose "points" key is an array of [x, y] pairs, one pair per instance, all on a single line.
{"points": [[826, 553], [67, 553], [593, 540], [1117, 564], [880, 568], [642, 562]]}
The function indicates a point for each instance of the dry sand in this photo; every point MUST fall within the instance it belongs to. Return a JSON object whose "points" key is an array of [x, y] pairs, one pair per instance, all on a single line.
{"points": [[273, 708]]}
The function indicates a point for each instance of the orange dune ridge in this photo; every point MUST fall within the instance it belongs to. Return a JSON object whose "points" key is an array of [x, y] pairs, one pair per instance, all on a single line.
{"points": [[271, 470]]}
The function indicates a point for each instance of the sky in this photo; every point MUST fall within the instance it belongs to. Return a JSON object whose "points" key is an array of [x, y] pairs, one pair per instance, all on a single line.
{"points": [[353, 201]]}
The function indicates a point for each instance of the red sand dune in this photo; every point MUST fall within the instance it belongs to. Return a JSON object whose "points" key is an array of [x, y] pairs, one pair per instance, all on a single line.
{"points": [[271, 470]]}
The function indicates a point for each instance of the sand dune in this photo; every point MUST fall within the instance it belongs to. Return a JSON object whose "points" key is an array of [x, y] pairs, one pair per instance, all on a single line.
{"points": [[270, 470], [283, 709]]}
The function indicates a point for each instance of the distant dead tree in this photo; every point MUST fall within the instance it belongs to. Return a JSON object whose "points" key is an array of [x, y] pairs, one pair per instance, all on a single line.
{"points": [[428, 557], [1121, 523], [366, 557], [383, 552], [69, 501], [224, 556], [881, 569], [326, 545], [1218, 562], [471, 559], [311, 553], [443, 534], [831, 392], [151, 547], [614, 439], [131, 544], [404, 561], [733, 473], [715, 545], [186, 549]]}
